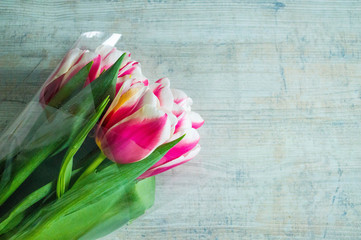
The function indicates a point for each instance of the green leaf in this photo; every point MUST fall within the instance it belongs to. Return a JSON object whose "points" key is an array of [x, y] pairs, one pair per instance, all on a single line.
{"points": [[87, 201], [8, 161], [9, 220], [102, 217], [91, 168], [14, 216], [67, 165], [27, 162], [105, 84]]}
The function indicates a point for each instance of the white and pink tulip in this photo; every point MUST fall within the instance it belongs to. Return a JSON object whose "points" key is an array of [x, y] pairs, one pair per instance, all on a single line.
{"points": [[187, 123], [141, 118], [134, 125], [103, 58]]}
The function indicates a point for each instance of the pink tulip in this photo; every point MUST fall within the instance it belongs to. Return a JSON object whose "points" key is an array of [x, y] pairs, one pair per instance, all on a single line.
{"points": [[103, 58], [142, 118], [187, 123], [134, 124]]}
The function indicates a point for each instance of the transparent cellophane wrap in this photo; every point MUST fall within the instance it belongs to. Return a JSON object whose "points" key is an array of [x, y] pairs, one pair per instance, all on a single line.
{"points": [[32, 149]]}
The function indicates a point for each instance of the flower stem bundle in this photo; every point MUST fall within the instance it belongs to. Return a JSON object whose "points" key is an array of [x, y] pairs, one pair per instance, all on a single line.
{"points": [[80, 161]]}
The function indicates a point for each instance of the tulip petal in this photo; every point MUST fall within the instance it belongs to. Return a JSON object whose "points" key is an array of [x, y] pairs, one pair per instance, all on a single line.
{"points": [[48, 91], [127, 69], [123, 106], [68, 61], [54, 82], [131, 70], [133, 105], [137, 136], [177, 110], [190, 140], [184, 122], [171, 164], [179, 95], [110, 55], [111, 58], [85, 59], [164, 94], [197, 120], [94, 70], [182, 99], [173, 121], [123, 86]]}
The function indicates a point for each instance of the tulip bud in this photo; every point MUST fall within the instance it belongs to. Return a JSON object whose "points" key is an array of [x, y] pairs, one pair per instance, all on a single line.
{"points": [[103, 58]]}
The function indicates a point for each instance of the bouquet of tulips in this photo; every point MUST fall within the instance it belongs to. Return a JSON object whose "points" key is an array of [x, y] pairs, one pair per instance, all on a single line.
{"points": [[79, 161]]}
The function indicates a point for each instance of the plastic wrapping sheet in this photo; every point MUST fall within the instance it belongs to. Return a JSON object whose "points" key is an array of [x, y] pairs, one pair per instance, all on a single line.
{"points": [[34, 148]]}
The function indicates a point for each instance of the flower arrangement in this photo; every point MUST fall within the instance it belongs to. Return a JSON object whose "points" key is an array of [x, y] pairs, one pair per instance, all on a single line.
{"points": [[132, 129]]}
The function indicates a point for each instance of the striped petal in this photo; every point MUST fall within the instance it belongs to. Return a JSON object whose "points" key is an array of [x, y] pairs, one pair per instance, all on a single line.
{"points": [[110, 55], [123, 105], [190, 140], [197, 120], [54, 82], [85, 59], [184, 122], [179, 95], [137, 75], [137, 136], [131, 71], [48, 91], [182, 99], [68, 61], [162, 90], [171, 164], [177, 110], [173, 121], [111, 58], [94, 70], [133, 105]]}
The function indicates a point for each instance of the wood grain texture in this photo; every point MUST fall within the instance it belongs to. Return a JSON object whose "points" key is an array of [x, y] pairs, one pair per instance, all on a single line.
{"points": [[278, 83]]}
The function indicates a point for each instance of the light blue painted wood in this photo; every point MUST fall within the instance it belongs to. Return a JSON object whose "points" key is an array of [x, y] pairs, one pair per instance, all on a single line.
{"points": [[277, 82]]}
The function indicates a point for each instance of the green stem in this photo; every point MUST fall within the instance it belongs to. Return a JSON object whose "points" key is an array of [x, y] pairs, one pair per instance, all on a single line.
{"points": [[67, 165], [28, 161], [91, 168]]}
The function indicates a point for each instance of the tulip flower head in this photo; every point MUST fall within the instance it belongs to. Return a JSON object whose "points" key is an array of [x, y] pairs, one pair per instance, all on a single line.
{"points": [[187, 123], [103, 58], [134, 125], [141, 118]]}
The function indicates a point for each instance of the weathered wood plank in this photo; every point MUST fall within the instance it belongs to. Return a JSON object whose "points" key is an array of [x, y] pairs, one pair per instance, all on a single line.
{"points": [[277, 82]]}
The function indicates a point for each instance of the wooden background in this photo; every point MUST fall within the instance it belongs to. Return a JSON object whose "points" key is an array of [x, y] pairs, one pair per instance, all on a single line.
{"points": [[278, 83]]}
